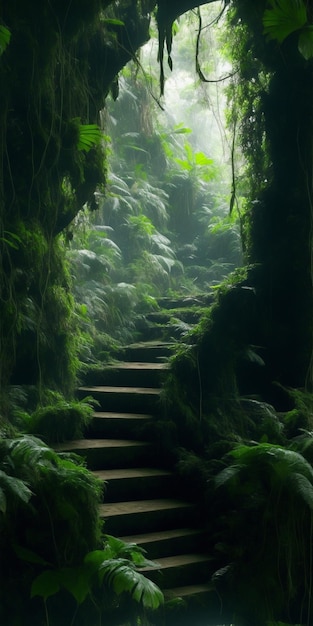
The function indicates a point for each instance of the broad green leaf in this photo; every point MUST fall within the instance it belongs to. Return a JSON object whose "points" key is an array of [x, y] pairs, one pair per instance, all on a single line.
{"points": [[185, 165], [181, 130], [303, 487], [45, 585], [5, 37], [305, 43], [123, 578], [95, 559], [189, 152], [227, 474], [201, 159], [76, 581], [16, 486], [29, 555], [285, 17], [147, 592], [114, 22]]}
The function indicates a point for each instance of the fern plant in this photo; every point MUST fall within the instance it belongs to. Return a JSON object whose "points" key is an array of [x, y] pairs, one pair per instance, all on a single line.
{"points": [[108, 575], [61, 420], [49, 508], [267, 532]]}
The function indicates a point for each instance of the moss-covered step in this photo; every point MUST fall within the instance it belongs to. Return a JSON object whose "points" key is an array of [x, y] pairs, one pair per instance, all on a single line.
{"points": [[131, 373], [119, 425], [200, 606], [187, 315], [169, 331], [148, 351], [136, 483], [180, 302], [109, 453], [180, 570], [138, 516], [123, 399]]}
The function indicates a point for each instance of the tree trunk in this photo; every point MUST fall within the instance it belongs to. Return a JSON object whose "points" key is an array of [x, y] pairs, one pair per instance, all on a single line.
{"points": [[281, 223]]}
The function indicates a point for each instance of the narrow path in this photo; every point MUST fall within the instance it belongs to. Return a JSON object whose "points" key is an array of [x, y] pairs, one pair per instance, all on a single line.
{"points": [[141, 499]]}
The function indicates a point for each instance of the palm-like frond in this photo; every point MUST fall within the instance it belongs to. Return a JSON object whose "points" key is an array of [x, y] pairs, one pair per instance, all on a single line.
{"points": [[10, 486], [277, 467], [28, 453], [285, 17], [89, 136]]}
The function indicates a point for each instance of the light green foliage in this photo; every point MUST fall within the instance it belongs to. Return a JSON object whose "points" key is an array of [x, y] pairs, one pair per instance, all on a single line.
{"points": [[284, 17], [89, 136], [196, 163]]}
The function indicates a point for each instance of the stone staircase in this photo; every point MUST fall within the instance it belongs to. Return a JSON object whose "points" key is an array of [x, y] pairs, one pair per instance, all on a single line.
{"points": [[143, 500]]}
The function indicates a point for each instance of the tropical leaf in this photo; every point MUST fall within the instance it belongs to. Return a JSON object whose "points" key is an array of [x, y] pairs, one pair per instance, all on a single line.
{"points": [[115, 548], [76, 581], [122, 577], [113, 22], [228, 474], [30, 451], [5, 37], [89, 136], [305, 43], [303, 487], [285, 17], [28, 555], [180, 129], [45, 585], [201, 159], [15, 486]]}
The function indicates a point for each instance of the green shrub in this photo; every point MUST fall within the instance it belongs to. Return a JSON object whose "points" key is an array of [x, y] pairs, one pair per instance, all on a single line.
{"points": [[60, 421]]}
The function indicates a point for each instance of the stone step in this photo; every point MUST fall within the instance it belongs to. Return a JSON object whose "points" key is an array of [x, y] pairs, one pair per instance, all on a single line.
{"points": [[109, 453], [180, 570], [148, 351], [129, 374], [136, 483], [169, 542], [170, 331], [122, 399], [201, 606], [127, 518], [168, 302], [187, 315], [119, 425]]}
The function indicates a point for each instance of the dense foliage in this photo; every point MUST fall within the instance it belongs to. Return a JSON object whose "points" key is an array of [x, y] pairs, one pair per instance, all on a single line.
{"points": [[58, 62]]}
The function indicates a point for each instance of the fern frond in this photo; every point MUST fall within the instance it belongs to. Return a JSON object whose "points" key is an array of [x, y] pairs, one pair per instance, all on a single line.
{"points": [[29, 451], [89, 136], [12, 486]]}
